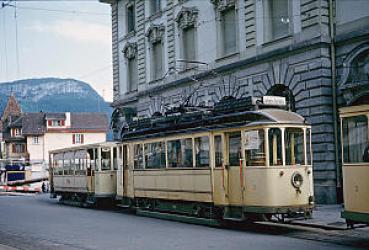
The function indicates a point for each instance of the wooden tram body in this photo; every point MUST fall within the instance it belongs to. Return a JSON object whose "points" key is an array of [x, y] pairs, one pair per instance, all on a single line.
{"points": [[84, 174], [216, 165], [355, 163]]}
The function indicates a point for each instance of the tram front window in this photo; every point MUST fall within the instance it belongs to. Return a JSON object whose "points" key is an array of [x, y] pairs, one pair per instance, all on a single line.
{"points": [[254, 148], [294, 143], [202, 151], [355, 139], [234, 147], [180, 153], [275, 147]]}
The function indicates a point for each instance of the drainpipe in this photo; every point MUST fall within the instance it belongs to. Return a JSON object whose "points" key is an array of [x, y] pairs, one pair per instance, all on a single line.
{"points": [[334, 93]]}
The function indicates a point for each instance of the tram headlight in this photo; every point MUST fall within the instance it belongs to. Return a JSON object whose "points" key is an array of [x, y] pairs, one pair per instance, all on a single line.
{"points": [[297, 180]]}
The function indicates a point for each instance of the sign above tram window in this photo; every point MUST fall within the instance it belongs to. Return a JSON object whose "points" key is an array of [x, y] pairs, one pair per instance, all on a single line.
{"points": [[252, 140], [274, 100]]}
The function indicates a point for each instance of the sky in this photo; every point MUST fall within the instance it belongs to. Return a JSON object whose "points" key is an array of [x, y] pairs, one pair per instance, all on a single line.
{"points": [[66, 39]]}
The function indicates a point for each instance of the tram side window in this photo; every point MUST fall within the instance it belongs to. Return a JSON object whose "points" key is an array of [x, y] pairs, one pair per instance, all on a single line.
{"points": [[115, 158], [234, 147], [83, 164], [92, 159], [202, 151], [77, 164], [218, 145], [66, 167], [275, 147], [55, 167], [355, 139], [308, 146], [60, 167], [72, 167], [294, 143], [138, 156], [255, 148], [155, 155], [105, 159], [180, 153]]}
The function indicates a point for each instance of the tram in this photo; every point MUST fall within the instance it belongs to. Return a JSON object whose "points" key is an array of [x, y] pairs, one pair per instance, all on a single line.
{"points": [[86, 175], [355, 163], [243, 159]]}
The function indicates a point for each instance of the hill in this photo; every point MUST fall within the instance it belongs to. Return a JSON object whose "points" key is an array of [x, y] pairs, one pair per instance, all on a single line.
{"points": [[54, 95]]}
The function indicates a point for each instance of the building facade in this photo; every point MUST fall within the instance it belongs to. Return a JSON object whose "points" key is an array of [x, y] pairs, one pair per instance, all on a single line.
{"points": [[10, 130], [49, 131], [313, 52]]}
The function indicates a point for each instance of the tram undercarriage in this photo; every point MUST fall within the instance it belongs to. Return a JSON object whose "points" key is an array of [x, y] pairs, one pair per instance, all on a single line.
{"points": [[199, 213]]}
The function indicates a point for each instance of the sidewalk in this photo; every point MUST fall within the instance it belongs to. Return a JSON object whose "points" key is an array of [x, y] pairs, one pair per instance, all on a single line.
{"points": [[324, 216]]}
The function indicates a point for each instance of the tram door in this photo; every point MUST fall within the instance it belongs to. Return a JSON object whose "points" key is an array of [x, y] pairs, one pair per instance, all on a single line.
{"points": [[125, 171], [91, 166], [234, 167]]}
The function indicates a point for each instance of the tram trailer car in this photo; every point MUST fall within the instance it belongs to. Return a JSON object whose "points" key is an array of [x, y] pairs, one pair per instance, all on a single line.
{"points": [[85, 175], [355, 163], [226, 164]]}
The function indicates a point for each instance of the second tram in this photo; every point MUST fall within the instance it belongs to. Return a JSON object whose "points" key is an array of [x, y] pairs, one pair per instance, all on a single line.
{"points": [[85, 174], [355, 163]]}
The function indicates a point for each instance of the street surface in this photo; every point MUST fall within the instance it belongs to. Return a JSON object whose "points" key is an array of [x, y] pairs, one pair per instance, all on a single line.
{"points": [[37, 222]]}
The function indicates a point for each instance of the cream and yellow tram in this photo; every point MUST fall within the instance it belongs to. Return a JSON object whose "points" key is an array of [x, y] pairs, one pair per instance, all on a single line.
{"points": [[218, 165], [355, 163], [85, 174]]}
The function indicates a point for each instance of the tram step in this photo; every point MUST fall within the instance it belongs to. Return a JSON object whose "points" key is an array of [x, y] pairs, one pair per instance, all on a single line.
{"points": [[123, 206], [233, 219], [178, 217]]}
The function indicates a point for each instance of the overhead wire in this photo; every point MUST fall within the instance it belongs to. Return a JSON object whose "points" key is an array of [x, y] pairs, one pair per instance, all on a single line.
{"points": [[16, 38], [5, 43]]}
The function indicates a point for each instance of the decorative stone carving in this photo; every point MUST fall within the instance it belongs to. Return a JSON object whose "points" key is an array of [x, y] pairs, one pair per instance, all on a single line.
{"points": [[355, 74], [155, 33], [223, 4], [130, 50], [187, 17]]}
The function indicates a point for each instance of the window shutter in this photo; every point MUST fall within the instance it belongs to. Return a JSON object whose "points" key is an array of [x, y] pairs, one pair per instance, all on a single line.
{"points": [[13, 148], [74, 139], [82, 138], [49, 122], [62, 122]]}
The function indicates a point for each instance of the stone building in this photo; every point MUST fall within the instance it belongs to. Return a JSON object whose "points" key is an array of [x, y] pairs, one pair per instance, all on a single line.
{"points": [[314, 52]]}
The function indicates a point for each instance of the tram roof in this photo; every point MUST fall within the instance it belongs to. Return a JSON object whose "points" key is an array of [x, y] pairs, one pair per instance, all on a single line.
{"points": [[83, 147], [203, 123]]}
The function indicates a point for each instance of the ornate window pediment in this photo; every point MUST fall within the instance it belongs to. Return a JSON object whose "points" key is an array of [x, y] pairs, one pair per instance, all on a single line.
{"points": [[223, 4], [155, 33], [354, 80], [130, 50], [187, 17]]}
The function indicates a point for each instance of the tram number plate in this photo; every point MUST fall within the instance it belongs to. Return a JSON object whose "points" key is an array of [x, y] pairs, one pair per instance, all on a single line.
{"points": [[274, 100]]}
